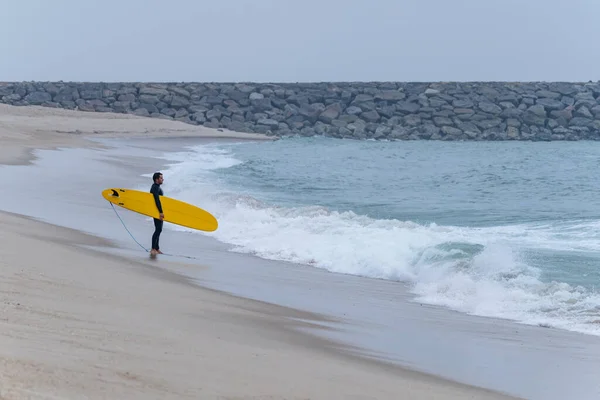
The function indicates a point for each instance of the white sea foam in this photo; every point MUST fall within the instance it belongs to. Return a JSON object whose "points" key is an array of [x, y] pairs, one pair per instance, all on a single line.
{"points": [[482, 271]]}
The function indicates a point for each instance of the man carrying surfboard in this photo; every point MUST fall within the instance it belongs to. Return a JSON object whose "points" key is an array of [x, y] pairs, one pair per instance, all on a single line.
{"points": [[158, 222]]}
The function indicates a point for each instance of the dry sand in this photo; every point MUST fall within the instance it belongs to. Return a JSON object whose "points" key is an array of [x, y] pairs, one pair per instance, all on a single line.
{"points": [[81, 323], [23, 129]]}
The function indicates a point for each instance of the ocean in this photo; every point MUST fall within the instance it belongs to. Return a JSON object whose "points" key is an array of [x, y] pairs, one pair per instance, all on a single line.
{"points": [[498, 229]]}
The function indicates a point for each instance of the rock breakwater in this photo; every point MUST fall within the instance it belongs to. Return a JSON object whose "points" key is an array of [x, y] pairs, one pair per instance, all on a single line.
{"points": [[358, 110]]}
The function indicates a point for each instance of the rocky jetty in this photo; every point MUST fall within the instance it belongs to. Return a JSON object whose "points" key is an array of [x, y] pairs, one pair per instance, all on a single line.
{"points": [[358, 110]]}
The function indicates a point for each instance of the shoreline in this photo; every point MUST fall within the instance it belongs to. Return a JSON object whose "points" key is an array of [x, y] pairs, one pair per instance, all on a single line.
{"points": [[32, 273], [490, 342]]}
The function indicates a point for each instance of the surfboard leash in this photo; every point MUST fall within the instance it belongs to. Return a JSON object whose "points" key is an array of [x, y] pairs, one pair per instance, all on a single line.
{"points": [[125, 226], [139, 244]]}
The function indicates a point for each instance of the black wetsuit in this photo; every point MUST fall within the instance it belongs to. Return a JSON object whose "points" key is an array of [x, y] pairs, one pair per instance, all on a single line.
{"points": [[158, 223]]}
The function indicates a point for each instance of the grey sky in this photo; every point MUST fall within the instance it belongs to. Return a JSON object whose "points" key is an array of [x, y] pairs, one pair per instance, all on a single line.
{"points": [[300, 40]]}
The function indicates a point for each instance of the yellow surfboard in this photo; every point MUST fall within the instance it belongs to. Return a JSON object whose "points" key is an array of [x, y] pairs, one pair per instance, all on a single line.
{"points": [[175, 211]]}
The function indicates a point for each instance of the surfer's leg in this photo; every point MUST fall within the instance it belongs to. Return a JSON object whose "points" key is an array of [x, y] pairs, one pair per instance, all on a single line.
{"points": [[155, 237]]}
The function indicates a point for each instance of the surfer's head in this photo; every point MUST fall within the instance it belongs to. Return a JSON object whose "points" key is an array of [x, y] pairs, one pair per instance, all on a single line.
{"points": [[157, 178]]}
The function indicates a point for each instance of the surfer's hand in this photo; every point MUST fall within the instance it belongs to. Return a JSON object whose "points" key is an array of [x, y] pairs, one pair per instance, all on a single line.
{"points": [[162, 216]]}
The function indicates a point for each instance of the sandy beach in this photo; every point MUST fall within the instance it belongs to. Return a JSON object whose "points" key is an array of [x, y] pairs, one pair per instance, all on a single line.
{"points": [[80, 320], [24, 129]]}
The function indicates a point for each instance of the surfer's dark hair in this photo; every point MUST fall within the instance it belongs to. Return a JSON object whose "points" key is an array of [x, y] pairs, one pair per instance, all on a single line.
{"points": [[156, 176]]}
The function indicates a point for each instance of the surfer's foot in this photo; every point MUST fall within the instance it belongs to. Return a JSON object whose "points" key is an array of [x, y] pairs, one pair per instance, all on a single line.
{"points": [[153, 252]]}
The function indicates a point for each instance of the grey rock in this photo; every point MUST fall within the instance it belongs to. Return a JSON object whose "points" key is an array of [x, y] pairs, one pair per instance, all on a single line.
{"points": [[182, 112], [506, 104], [441, 121], [171, 112], [66, 95], [179, 101], [562, 88], [566, 114], [145, 98], [353, 110], [437, 102], [488, 123], [451, 131], [531, 118], [180, 91], [581, 121], [562, 131], [121, 106], [583, 111], [272, 124], [386, 111], [198, 108], [412, 120], [362, 98], [142, 112], [9, 99], [259, 105], [390, 95], [489, 92], [512, 132], [151, 108], [585, 102], [550, 104], [339, 123], [427, 131], [199, 117], [548, 94], [463, 103], [537, 110], [91, 94], [348, 118], [153, 91], [407, 107], [552, 123], [567, 101], [509, 98], [382, 131], [69, 105], [213, 114], [490, 108], [330, 113], [468, 127], [528, 101], [6, 89], [309, 112], [129, 97], [443, 113], [370, 116], [37, 98]]}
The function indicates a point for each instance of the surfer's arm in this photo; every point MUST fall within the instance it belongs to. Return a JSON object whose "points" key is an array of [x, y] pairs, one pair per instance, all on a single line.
{"points": [[157, 199]]}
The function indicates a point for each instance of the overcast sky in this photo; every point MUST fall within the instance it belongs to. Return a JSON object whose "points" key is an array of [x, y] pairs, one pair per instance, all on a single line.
{"points": [[300, 40]]}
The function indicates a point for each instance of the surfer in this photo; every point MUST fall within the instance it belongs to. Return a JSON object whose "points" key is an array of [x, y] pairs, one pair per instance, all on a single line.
{"points": [[158, 222]]}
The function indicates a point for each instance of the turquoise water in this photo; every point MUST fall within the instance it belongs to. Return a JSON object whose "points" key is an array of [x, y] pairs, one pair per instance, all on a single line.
{"points": [[501, 229]]}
